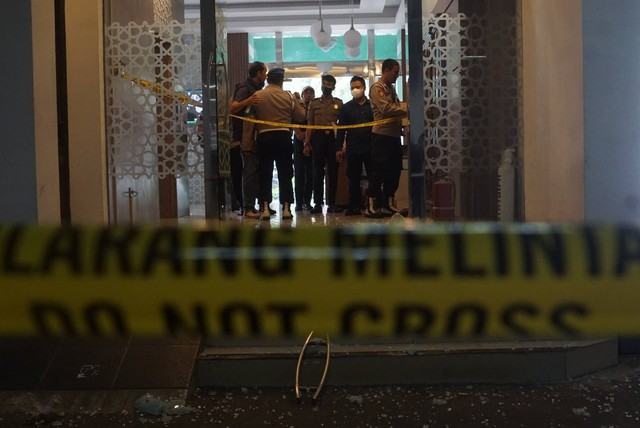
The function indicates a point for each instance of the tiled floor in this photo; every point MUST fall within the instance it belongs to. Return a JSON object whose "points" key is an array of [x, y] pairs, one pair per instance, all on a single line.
{"points": [[95, 364], [300, 218]]}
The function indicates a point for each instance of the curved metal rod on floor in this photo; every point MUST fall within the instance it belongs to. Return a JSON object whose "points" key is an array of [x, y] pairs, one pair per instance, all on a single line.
{"points": [[324, 373], [299, 365], [326, 370]]}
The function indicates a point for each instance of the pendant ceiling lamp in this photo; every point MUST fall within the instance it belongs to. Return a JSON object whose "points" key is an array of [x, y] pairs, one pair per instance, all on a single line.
{"points": [[321, 31], [352, 52], [352, 38]]}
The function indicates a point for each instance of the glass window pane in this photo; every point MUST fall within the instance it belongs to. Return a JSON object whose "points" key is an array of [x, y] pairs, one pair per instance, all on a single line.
{"points": [[303, 49], [387, 46], [262, 47]]}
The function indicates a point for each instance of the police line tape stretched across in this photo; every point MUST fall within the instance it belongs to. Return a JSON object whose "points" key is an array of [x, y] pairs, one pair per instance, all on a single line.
{"points": [[297, 125], [186, 99], [478, 280]]}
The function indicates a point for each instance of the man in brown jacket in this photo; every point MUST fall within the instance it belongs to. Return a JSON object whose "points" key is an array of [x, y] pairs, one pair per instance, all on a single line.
{"points": [[274, 141]]}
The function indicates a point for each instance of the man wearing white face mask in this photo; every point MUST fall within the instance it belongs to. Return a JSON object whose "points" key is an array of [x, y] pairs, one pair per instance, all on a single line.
{"points": [[357, 147]]}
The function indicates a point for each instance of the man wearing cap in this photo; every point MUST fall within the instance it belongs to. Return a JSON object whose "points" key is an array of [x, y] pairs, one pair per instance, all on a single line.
{"points": [[303, 164], [244, 99], [321, 142], [274, 141]]}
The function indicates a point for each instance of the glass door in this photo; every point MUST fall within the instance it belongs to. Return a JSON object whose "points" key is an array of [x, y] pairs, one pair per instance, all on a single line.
{"points": [[163, 80]]}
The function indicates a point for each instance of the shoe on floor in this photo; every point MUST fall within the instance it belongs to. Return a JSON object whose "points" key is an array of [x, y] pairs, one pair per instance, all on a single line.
{"points": [[298, 207], [286, 211], [272, 211], [386, 212], [369, 213], [372, 210], [251, 213], [317, 209], [352, 211], [334, 209], [266, 212]]}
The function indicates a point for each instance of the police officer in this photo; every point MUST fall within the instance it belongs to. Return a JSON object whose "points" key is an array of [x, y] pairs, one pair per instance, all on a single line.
{"points": [[321, 143], [274, 141], [303, 164], [386, 144]]}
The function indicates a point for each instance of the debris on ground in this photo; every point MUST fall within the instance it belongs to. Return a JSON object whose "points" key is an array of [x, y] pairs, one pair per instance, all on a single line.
{"points": [[151, 405]]}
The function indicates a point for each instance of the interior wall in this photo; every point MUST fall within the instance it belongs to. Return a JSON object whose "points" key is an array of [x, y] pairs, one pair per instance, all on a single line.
{"points": [[127, 11], [45, 111], [85, 71], [138, 11], [238, 43], [553, 110], [17, 139], [612, 110]]}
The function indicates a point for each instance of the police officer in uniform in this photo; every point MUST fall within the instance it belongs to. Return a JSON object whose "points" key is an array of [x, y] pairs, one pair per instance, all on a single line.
{"points": [[303, 164], [386, 144], [274, 142], [321, 144]]}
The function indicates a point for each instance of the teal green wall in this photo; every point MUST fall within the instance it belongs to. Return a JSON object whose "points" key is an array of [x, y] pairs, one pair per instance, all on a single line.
{"points": [[303, 49]]}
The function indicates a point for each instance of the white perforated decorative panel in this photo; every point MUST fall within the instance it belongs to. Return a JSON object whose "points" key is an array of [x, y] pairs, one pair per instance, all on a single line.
{"points": [[471, 93], [150, 134]]}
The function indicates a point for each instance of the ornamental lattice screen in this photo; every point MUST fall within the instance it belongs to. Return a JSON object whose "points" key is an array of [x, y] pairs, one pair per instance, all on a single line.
{"points": [[150, 135], [471, 67]]}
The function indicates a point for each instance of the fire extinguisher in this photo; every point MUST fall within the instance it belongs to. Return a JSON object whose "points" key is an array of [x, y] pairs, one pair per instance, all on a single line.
{"points": [[443, 194]]}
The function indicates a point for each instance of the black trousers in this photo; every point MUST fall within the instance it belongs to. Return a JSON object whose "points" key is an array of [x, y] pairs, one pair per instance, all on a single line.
{"points": [[303, 170], [355, 161], [235, 164], [323, 149], [275, 146], [386, 166]]}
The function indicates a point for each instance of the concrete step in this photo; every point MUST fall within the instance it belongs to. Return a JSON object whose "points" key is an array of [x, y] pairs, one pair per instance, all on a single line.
{"points": [[495, 362]]}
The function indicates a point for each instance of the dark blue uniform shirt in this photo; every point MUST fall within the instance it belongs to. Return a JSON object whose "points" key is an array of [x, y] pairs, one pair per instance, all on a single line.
{"points": [[357, 138]]}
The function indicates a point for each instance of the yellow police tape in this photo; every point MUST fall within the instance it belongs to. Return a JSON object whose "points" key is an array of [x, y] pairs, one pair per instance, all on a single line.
{"points": [[157, 88], [186, 99], [297, 125], [480, 280]]}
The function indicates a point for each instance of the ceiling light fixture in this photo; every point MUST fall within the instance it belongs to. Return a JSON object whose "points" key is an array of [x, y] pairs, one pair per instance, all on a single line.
{"points": [[352, 52], [321, 32], [352, 38]]}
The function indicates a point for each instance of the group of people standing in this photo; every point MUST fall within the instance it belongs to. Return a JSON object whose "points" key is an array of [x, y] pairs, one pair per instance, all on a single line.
{"points": [[317, 148]]}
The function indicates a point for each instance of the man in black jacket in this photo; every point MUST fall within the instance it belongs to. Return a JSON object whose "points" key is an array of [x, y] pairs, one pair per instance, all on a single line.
{"points": [[357, 146], [244, 100]]}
